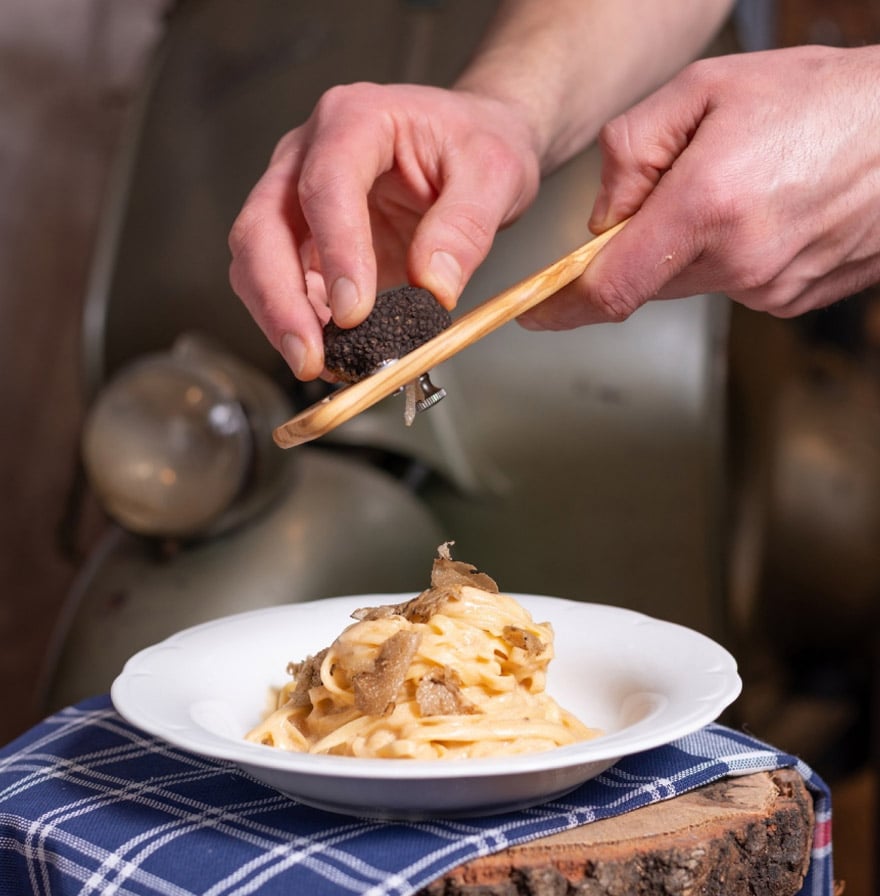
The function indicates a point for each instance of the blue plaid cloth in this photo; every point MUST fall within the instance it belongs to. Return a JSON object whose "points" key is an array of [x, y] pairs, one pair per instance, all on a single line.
{"points": [[91, 805]]}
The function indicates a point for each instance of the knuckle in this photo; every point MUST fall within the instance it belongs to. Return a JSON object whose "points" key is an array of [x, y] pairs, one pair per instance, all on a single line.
{"points": [[242, 231], [315, 181], [467, 221], [698, 72], [614, 136], [755, 275], [771, 297], [333, 100], [288, 145], [643, 158], [239, 280], [616, 301], [504, 166], [495, 153], [340, 101], [782, 309]]}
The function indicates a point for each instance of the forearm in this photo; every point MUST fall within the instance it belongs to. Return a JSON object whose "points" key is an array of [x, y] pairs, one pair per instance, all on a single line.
{"points": [[570, 65]]}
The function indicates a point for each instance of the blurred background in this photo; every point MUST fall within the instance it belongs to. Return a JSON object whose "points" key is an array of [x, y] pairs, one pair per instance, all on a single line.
{"points": [[736, 457]]}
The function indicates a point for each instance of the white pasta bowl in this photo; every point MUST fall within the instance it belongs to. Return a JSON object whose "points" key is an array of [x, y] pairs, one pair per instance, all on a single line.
{"points": [[642, 681]]}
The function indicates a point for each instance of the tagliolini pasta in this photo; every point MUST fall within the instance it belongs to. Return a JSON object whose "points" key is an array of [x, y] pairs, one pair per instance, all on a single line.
{"points": [[457, 672]]}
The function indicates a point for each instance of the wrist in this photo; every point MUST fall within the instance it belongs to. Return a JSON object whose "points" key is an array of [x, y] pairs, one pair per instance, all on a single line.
{"points": [[511, 113]]}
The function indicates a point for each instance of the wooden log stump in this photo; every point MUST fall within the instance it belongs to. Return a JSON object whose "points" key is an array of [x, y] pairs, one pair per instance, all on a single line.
{"points": [[741, 836]]}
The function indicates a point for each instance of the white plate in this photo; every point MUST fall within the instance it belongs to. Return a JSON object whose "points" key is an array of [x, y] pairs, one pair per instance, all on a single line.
{"points": [[642, 681]]}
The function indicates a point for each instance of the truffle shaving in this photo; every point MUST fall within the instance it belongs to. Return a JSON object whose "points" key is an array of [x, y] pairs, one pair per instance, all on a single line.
{"points": [[448, 577], [439, 694], [307, 675], [381, 612], [526, 641], [375, 690]]}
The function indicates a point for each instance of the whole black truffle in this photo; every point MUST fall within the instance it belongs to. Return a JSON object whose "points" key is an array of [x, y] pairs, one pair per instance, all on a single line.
{"points": [[401, 320]]}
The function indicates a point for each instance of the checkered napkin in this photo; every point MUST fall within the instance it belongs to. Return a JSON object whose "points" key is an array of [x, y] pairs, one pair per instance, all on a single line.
{"points": [[91, 805]]}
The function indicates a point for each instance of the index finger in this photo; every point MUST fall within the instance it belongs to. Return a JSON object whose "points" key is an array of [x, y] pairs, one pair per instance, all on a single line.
{"points": [[267, 272], [351, 144]]}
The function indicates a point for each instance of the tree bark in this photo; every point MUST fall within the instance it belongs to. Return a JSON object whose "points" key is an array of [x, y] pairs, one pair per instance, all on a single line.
{"points": [[741, 836]]}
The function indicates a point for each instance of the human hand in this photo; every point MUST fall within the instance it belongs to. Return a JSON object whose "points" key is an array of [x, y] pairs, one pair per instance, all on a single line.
{"points": [[755, 175], [382, 185]]}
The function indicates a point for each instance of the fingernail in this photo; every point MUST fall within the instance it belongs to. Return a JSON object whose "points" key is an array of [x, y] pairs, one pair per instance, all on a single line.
{"points": [[344, 299], [294, 351], [599, 215], [445, 275]]}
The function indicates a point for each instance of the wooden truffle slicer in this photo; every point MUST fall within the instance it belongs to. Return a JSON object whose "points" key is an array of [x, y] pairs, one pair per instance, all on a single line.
{"points": [[349, 401]]}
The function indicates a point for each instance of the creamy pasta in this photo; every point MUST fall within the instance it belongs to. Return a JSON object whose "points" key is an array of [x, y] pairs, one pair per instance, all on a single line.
{"points": [[459, 671]]}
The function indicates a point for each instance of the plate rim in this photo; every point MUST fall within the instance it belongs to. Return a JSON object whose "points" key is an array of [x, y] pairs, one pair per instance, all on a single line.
{"points": [[244, 754]]}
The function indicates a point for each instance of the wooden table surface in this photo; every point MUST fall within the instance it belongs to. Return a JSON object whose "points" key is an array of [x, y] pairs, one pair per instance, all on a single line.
{"points": [[741, 836]]}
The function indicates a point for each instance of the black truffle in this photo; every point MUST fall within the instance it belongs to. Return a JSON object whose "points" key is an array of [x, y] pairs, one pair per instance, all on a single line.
{"points": [[401, 320]]}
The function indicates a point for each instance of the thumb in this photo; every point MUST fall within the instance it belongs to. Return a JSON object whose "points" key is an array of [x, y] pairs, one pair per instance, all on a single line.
{"points": [[641, 145]]}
